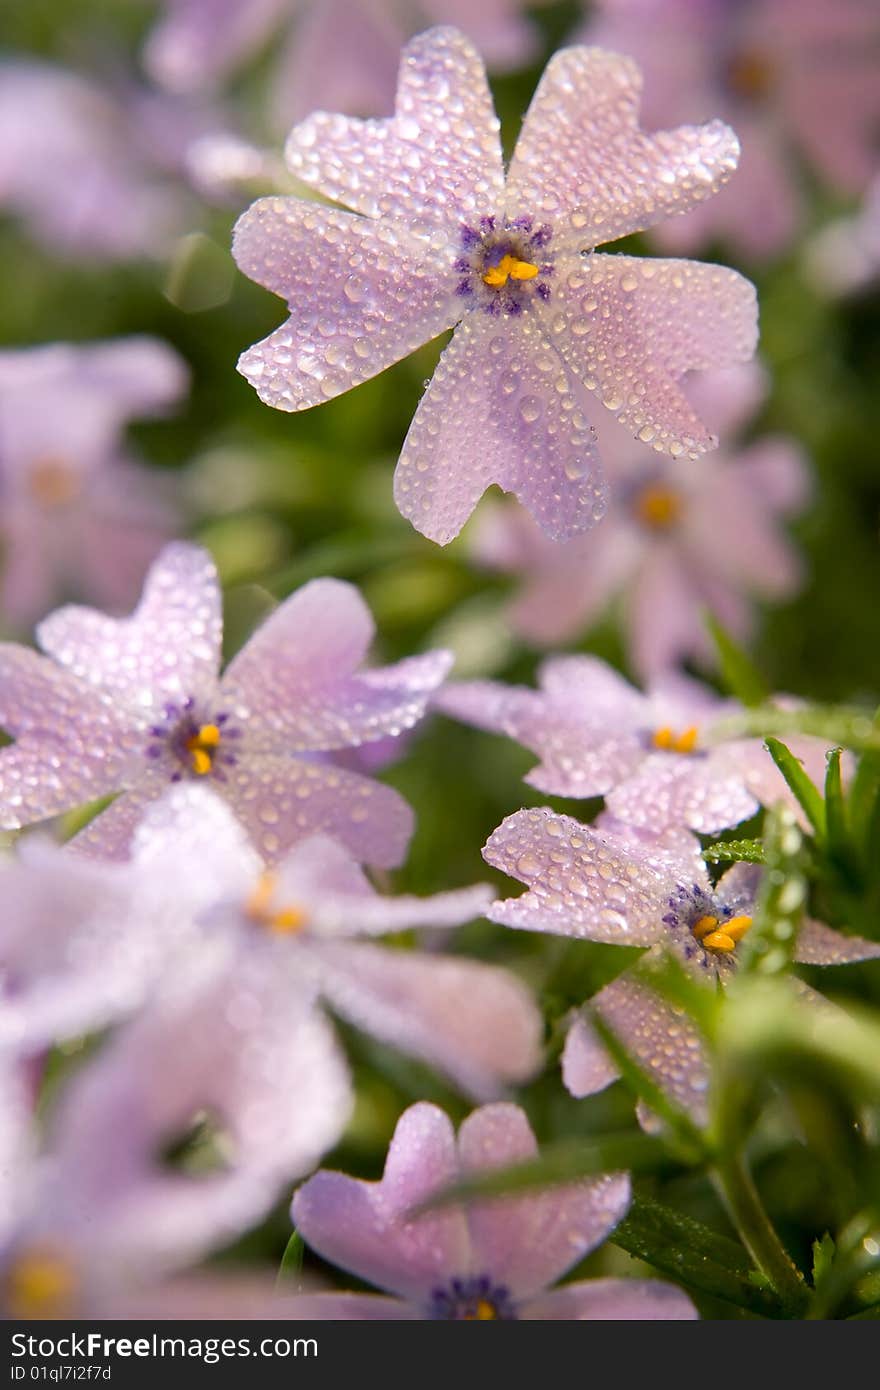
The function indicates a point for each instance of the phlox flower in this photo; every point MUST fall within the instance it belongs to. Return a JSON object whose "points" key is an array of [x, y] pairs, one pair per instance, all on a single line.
{"points": [[91, 171], [99, 1210], [596, 885], [130, 705], [652, 756], [340, 54], [477, 1262], [680, 537], [198, 915], [437, 236], [77, 515], [844, 256], [798, 78]]}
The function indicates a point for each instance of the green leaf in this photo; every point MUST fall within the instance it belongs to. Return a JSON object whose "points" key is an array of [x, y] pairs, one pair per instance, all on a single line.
{"points": [[559, 1163], [735, 851], [291, 1261], [823, 1257], [690, 1252], [738, 672], [768, 946], [801, 786], [836, 828]]}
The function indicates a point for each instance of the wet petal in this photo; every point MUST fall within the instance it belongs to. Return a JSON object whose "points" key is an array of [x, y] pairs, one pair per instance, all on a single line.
{"points": [[821, 945], [613, 1300], [702, 792]]}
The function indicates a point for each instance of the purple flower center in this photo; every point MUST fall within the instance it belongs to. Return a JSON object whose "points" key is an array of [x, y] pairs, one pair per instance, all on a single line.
{"points": [[704, 930], [503, 268], [472, 1300], [193, 743]]}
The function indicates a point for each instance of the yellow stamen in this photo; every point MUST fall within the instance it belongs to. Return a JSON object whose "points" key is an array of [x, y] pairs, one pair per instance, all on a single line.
{"points": [[53, 483], [40, 1284], [509, 267], [750, 74], [259, 909], [658, 507], [719, 941], [704, 926], [485, 1312], [737, 927], [671, 742], [201, 747]]}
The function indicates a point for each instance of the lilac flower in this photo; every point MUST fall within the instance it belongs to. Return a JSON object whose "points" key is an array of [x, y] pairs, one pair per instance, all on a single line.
{"points": [[480, 1262], [102, 1210], [796, 77], [85, 943], [77, 514], [338, 54], [438, 236], [680, 537], [81, 165], [652, 756], [134, 704], [604, 887], [845, 255]]}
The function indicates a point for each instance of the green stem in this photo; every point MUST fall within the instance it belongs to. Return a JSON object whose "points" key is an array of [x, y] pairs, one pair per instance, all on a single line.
{"points": [[759, 1235]]}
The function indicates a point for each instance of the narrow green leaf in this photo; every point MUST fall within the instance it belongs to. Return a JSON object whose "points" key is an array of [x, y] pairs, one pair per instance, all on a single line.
{"points": [[768, 947], [738, 672], [560, 1163], [291, 1261], [690, 1252], [734, 851], [823, 1257], [836, 828], [801, 786]]}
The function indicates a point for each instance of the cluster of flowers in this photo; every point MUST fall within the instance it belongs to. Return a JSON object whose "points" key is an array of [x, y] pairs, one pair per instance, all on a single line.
{"points": [[203, 918]]}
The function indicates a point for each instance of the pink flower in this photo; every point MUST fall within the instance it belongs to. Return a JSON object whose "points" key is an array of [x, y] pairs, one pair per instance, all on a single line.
{"points": [[681, 537], [336, 54], [604, 887], [796, 77], [131, 705], [652, 756], [479, 1262], [77, 515], [437, 236]]}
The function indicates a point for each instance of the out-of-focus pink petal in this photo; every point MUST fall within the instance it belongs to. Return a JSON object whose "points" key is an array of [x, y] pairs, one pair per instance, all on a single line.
{"points": [[362, 295], [500, 408], [626, 320], [581, 153], [613, 1300], [346, 1307], [664, 614], [282, 800], [365, 1227], [821, 945], [436, 161], [476, 1022], [580, 884], [197, 42], [168, 649], [342, 55], [526, 1243]]}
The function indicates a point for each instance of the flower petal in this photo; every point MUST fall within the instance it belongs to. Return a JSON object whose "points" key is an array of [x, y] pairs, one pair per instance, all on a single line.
{"points": [[437, 160], [344, 1307], [362, 295], [821, 945], [282, 800], [659, 1037], [69, 746], [526, 1243], [476, 1022], [705, 793], [168, 648], [296, 676], [500, 408], [110, 834], [364, 1226], [580, 884], [581, 153], [613, 1300], [629, 328]]}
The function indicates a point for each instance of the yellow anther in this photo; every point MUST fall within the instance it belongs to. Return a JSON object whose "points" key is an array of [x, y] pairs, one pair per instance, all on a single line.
{"points": [[671, 742], [259, 909], [750, 73], [719, 941], [658, 507], [40, 1284], [484, 1312], [200, 748], [704, 926], [737, 927], [53, 483], [509, 267]]}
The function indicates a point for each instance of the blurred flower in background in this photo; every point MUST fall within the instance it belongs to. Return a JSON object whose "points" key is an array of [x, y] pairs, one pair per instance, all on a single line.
{"points": [[79, 518], [799, 80]]}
